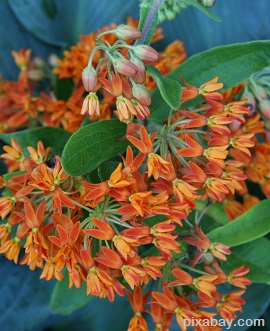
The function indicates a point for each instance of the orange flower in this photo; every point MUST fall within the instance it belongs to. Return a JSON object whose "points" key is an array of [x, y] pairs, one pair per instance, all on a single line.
{"points": [[237, 277], [66, 241], [145, 145], [48, 180], [6, 205], [133, 274], [11, 249], [138, 302], [194, 149], [98, 280], [243, 142], [40, 154], [105, 232], [158, 167], [209, 88], [22, 58], [14, 153], [177, 305]]}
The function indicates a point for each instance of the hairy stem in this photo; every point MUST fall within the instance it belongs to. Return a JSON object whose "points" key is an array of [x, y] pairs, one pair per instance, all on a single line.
{"points": [[149, 20]]}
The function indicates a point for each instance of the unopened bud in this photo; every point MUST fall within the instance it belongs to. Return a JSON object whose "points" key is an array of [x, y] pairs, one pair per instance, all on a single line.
{"points": [[235, 126], [141, 94], [39, 62], [127, 32], [125, 67], [53, 58], [264, 107], [89, 79], [35, 75], [251, 104], [208, 3], [208, 258], [139, 77], [146, 53]]}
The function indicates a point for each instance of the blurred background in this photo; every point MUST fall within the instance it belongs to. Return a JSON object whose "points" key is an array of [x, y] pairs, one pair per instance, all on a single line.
{"points": [[49, 27]]}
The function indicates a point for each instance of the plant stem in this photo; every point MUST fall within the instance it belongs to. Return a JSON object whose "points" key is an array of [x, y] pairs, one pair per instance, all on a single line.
{"points": [[149, 20]]}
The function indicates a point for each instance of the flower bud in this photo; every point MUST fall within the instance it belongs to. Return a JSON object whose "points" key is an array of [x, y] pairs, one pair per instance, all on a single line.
{"points": [[39, 62], [139, 77], [35, 75], [141, 94], [127, 32], [264, 107], [53, 58], [208, 3], [146, 53], [89, 79], [235, 126], [125, 67], [251, 104], [208, 258]]}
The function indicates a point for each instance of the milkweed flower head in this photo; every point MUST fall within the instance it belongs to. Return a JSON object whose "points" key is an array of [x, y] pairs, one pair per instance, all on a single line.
{"points": [[119, 233]]}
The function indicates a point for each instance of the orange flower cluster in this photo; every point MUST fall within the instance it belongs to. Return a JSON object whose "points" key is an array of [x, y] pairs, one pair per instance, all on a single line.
{"points": [[256, 165], [19, 108], [122, 233]]}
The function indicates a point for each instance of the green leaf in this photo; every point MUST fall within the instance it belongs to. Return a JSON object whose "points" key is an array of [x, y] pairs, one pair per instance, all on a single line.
{"points": [[202, 8], [93, 144], [170, 89], [51, 137], [253, 255], [64, 300], [144, 12], [63, 88], [232, 63], [106, 168], [249, 226], [25, 298]]}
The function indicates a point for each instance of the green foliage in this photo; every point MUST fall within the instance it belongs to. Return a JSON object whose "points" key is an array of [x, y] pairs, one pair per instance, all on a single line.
{"points": [[63, 88], [25, 298], [249, 226], [51, 137], [233, 64], [93, 144], [202, 8], [64, 300], [144, 12], [253, 255], [170, 89]]}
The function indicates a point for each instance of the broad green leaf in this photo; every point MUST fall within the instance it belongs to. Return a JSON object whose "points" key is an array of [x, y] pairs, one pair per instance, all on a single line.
{"points": [[170, 89], [65, 301], [63, 88], [59, 25], [202, 8], [144, 12], [98, 314], [233, 64], [93, 144], [25, 298], [249, 226], [106, 168], [51, 137], [254, 255]]}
